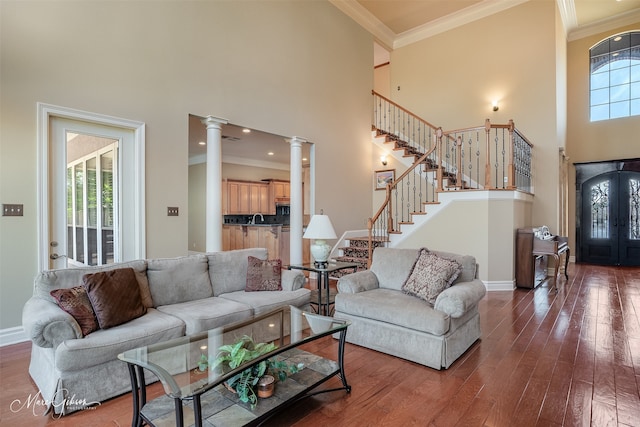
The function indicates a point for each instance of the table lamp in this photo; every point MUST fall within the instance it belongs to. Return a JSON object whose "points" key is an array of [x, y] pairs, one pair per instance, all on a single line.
{"points": [[320, 229]]}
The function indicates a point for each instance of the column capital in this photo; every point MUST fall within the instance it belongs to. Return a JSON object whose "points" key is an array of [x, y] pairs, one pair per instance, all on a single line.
{"points": [[296, 140], [211, 121]]}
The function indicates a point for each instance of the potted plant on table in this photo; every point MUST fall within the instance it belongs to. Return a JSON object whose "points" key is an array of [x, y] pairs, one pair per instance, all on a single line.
{"points": [[244, 383]]}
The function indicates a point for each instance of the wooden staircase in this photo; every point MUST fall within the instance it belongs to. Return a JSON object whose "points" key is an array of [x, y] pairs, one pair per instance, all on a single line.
{"points": [[429, 165], [357, 251]]}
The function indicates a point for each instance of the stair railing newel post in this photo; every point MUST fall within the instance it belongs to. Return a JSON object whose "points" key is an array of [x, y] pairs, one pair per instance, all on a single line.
{"points": [[487, 168], [511, 172], [459, 162], [439, 175]]}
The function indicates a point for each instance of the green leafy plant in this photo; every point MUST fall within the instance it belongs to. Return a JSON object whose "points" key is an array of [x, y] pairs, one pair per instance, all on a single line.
{"points": [[231, 356]]}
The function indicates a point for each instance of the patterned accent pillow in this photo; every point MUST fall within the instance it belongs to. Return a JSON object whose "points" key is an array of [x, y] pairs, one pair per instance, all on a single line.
{"points": [[430, 275], [263, 275], [115, 296], [76, 302]]}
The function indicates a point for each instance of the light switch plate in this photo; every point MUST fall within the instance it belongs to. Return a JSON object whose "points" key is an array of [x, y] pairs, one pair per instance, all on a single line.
{"points": [[12, 210], [172, 211]]}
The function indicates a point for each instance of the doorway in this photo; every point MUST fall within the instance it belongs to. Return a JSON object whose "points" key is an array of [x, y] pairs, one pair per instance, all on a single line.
{"points": [[91, 188], [607, 209]]}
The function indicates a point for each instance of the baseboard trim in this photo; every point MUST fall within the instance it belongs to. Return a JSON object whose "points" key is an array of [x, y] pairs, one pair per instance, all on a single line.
{"points": [[500, 285], [13, 335]]}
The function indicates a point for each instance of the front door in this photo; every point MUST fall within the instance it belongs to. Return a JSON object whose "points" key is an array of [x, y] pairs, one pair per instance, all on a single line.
{"points": [[610, 231]]}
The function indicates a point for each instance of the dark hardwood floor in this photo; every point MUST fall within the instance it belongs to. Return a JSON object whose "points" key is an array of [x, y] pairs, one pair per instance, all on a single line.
{"points": [[545, 359]]}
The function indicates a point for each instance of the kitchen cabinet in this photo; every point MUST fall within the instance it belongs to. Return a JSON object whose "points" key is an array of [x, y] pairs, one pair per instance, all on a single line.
{"points": [[247, 198], [279, 189], [252, 236]]}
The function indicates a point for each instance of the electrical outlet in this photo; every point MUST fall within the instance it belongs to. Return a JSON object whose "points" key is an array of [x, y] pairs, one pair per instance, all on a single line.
{"points": [[172, 211], [12, 210]]}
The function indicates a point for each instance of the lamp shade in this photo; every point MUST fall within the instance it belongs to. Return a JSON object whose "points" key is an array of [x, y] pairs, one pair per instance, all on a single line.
{"points": [[320, 227]]}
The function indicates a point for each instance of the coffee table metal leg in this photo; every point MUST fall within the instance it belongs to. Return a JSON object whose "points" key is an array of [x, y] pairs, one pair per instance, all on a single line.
{"points": [[135, 393], [343, 378], [197, 410], [179, 418]]}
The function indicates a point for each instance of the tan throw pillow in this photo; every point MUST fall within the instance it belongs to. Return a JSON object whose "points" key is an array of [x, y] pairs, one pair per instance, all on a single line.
{"points": [[115, 296], [76, 302], [263, 275], [430, 275]]}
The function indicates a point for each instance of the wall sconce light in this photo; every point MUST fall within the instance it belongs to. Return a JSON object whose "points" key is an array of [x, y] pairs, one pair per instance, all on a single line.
{"points": [[383, 160], [495, 106]]}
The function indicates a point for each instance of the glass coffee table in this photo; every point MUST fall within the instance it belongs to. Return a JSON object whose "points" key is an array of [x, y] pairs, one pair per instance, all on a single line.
{"points": [[195, 388]]}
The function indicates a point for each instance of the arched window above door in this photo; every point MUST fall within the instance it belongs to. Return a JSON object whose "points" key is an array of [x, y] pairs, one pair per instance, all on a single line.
{"points": [[615, 77]]}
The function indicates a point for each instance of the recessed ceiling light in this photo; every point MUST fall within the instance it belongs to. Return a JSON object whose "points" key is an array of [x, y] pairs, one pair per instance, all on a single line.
{"points": [[202, 143], [617, 39], [270, 153], [304, 159], [245, 130]]}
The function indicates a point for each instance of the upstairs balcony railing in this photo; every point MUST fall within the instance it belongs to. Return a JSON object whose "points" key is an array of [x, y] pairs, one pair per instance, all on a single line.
{"points": [[488, 157]]}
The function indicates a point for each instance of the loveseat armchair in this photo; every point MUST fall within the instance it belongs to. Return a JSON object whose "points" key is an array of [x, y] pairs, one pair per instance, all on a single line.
{"points": [[386, 319]]}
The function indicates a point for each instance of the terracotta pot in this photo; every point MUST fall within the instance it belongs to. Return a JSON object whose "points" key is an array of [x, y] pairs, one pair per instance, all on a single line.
{"points": [[266, 386]]}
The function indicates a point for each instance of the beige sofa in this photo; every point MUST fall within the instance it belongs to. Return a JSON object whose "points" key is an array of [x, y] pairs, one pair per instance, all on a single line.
{"points": [[181, 295], [386, 319]]}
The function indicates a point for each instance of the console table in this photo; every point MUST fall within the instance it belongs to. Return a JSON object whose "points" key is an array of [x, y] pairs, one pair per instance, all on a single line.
{"points": [[531, 257]]}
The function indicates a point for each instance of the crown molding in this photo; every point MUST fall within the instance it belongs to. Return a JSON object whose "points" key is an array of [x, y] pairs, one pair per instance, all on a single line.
{"points": [[454, 20], [390, 40], [367, 20], [568, 15], [604, 25]]}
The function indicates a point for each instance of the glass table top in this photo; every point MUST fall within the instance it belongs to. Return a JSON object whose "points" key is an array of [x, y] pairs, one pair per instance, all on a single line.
{"points": [[186, 365]]}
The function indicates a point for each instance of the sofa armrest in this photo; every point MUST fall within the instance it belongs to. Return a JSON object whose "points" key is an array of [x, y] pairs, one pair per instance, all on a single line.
{"points": [[47, 325], [459, 298], [292, 280], [356, 282]]}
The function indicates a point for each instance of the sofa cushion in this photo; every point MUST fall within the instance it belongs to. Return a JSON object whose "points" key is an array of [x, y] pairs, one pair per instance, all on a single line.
{"points": [[76, 302], [176, 280], [430, 275], [392, 266], [228, 270], [263, 302], [394, 307], [208, 313], [104, 345], [49, 280], [115, 296], [263, 275]]}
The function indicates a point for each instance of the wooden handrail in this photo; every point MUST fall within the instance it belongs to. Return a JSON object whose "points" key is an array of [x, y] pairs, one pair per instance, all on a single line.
{"points": [[373, 92]]}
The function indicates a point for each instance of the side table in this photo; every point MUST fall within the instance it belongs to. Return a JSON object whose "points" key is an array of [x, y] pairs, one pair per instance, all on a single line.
{"points": [[324, 302]]}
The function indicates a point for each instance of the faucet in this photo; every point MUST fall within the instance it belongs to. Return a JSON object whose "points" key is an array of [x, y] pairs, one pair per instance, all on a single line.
{"points": [[253, 220]]}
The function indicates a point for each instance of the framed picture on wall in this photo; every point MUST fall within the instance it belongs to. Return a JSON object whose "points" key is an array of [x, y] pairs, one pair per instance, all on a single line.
{"points": [[384, 177]]}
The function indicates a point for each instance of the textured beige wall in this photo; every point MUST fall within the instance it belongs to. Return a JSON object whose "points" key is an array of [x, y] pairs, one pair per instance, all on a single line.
{"points": [[483, 228], [273, 66], [597, 141], [451, 79]]}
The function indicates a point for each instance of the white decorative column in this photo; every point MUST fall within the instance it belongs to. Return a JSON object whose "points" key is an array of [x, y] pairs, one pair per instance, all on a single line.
{"points": [[213, 199], [295, 218]]}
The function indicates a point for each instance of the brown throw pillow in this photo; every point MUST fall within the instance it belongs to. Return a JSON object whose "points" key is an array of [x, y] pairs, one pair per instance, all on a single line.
{"points": [[264, 275], [115, 296], [430, 275], [76, 302]]}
